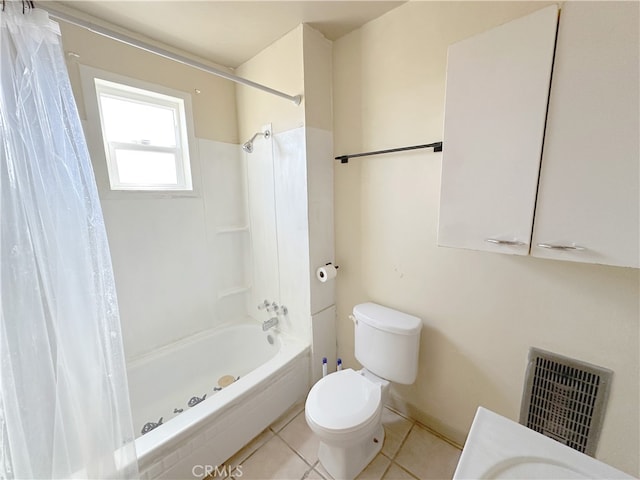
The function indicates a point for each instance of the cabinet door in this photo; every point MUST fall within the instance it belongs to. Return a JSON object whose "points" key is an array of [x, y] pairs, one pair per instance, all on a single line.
{"points": [[588, 204], [496, 102]]}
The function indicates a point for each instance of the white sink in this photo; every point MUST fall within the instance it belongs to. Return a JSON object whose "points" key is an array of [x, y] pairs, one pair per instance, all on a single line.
{"points": [[500, 448]]}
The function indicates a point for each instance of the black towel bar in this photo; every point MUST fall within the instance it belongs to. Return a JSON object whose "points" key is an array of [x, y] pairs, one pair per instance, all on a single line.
{"points": [[437, 147]]}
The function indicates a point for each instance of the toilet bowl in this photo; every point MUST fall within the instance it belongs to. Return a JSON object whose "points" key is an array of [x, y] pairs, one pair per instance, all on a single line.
{"points": [[344, 409]]}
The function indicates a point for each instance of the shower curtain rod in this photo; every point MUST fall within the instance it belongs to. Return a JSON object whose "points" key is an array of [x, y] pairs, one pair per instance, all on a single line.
{"points": [[164, 53]]}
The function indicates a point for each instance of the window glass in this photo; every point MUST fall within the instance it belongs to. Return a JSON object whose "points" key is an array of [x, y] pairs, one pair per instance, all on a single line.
{"points": [[144, 167], [126, 120]]}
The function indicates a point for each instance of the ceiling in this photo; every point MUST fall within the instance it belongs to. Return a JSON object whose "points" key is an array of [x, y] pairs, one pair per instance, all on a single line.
{"points": [[231, 32]]}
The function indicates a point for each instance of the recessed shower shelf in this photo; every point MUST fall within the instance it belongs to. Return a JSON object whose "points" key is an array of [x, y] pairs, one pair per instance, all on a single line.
{"points": [[227, 292], [233, 229]]}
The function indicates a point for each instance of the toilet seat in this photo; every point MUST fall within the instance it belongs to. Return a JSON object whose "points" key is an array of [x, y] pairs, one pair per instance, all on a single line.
{"points": [[343, 402]]}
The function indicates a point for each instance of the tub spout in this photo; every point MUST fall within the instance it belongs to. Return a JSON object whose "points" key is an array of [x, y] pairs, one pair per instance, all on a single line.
{"points": [[267, 324]]}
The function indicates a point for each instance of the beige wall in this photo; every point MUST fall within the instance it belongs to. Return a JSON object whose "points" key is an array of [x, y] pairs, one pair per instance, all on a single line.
{"points": [[481, 311], [295, 64], [317, 79], [279, 66], [214, 109]]}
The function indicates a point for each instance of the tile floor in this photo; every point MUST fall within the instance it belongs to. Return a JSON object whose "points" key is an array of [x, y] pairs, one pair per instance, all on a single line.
{"points": [[288, 450]]}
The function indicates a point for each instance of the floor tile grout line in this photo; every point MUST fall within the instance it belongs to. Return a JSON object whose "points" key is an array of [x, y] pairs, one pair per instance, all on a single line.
{"points": [[430, 432], [404, 469], [289, 447], [386, 469], [250, 455], [277, 434], [288, 422], [294, 450], [401, 436], [398, 412], [440, 436], [429, 429], [404, 440], [254, 451], [306, 474], [316, 470]]}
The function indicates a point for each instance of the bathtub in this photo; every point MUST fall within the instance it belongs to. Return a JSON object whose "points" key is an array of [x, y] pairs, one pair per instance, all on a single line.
{"points": [[270, 372]]}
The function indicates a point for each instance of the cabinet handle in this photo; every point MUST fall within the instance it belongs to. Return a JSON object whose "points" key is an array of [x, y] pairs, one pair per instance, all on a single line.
{"points": [[513, 243], [552, 246]]}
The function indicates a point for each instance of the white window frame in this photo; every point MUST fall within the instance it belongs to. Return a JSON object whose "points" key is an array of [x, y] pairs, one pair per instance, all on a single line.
{"points": [[95, 81]]}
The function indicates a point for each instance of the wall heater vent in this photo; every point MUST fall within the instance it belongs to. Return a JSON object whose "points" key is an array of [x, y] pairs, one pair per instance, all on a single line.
{"points": [[565, 399]]}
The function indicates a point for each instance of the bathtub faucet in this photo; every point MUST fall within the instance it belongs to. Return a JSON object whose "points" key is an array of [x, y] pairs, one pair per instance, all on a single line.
{"points": [[267, 324], [273, 307]]}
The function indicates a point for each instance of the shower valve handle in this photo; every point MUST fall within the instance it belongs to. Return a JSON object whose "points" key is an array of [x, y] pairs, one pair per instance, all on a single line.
{"points": [[273, 308], [263, 305]]}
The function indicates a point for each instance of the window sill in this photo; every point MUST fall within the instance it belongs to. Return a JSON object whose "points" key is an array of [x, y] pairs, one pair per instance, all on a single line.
{"points": [[147, 194]]}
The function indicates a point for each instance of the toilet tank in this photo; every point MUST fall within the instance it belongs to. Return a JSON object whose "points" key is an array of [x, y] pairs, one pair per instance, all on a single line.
{"points": [[387, 342]]}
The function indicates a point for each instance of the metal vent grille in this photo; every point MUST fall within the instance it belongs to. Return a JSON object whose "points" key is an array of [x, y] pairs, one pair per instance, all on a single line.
{"points": [[565, 399]]}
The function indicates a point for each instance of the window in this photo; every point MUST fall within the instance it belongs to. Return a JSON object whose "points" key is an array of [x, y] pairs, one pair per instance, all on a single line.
{"points": [[145, 138]]}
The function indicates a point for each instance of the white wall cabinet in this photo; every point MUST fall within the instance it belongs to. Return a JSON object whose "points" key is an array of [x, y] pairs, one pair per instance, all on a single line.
{"points": [[496, 102], [585, 191], [588, 207]]}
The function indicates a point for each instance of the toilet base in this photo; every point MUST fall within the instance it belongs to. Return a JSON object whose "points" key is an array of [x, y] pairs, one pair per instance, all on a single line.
{"points": [[345, 463]]}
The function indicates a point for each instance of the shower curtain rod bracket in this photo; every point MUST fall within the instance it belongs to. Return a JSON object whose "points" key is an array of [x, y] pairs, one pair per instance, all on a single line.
{"points": [[437, 147]]}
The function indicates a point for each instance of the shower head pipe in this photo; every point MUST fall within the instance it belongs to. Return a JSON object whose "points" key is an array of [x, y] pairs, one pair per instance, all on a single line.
{"points": [[248, 145]]}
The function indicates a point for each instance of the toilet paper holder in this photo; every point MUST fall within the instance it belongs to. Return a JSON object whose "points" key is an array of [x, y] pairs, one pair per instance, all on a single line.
{"points": [[327, 272]]}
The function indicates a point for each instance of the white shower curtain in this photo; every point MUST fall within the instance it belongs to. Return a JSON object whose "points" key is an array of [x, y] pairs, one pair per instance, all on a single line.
{"points": [[64, 405]]}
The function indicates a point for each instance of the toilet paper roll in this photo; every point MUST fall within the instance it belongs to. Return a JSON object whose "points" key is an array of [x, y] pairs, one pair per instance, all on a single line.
{"points": [[328, 272]]}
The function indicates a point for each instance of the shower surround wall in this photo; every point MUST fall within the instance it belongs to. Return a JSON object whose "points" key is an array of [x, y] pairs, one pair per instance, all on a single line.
{"points": [[283, 260], [302, 147], [180, 260]]}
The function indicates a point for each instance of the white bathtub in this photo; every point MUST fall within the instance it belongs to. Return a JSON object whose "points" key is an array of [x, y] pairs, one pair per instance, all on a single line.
{"points": [[273, 372]]}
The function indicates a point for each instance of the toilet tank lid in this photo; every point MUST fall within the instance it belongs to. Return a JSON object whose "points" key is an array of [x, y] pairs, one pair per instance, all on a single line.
{"points": [[387, 319]]}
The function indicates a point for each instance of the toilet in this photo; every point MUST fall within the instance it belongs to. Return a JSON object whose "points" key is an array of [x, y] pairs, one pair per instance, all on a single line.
{"points": [[344, 409]]}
